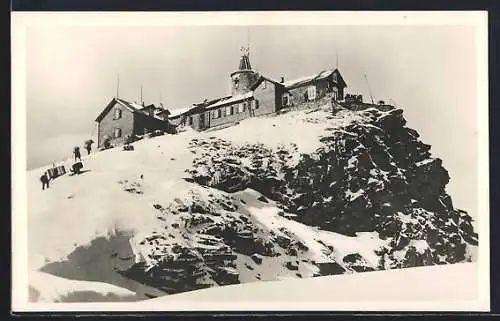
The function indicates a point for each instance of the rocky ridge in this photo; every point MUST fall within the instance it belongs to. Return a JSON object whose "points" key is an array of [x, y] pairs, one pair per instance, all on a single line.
{"points": [[371, 175], [368, 197]]}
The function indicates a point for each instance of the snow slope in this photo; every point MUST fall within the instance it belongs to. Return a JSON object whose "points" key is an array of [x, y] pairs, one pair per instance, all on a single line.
{"points": [[411, 289], [91, 198], [136, 221], [48, 288], [393, 286]]}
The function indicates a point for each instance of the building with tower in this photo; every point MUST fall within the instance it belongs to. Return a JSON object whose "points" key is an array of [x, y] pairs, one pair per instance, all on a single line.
{"points": [[252, 95]]}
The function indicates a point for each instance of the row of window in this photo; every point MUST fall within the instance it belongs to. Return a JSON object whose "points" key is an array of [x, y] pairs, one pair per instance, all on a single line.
{"points": [[234, 109], [117, 132]]}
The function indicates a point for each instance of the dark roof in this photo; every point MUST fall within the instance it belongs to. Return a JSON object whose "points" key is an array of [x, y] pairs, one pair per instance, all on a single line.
{"points": [[340, 80], [132, 107], [230, 100], [245, 63], [181, 111], [211, 101], [262, 78], [195, 107], [303, 81]]}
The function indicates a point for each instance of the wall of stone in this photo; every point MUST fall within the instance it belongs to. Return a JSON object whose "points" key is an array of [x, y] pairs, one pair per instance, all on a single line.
{"points": [[107, 125], [323, 87], [244, 79]]}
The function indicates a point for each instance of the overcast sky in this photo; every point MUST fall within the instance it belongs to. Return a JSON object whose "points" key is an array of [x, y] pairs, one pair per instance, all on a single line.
{"points": [[429, 71]]}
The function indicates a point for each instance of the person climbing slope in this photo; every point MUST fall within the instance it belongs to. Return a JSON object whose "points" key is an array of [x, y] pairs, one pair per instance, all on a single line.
{"points": [[76, 152], [45, 180], [88, 145], [76, 168]]}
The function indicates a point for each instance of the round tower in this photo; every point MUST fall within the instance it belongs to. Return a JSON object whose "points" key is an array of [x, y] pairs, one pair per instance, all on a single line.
{"points": [[244, 77]]}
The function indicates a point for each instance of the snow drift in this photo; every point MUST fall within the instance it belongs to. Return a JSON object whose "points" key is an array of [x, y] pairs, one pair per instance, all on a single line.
{"points": [[364, 287]]}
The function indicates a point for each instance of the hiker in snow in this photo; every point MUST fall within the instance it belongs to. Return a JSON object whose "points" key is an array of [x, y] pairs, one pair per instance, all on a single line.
{"points": [[76, 152], [76, 168], [107, 142], [45, 180], [88, 145]]}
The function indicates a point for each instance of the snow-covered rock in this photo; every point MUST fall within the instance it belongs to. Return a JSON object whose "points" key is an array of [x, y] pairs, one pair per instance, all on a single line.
{"points": [[297, 195]]}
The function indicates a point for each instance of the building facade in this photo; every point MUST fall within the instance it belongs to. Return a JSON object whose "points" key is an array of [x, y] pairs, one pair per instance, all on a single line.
{"points": [[121, 118], [314, 87], [254, 95]]}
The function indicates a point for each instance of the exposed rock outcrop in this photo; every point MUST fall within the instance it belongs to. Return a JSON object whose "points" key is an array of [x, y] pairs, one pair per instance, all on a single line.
{"points": [[373, 174]]}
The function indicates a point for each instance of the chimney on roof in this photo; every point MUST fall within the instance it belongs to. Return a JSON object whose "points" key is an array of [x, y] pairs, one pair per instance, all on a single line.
{"points": [[282, 80]]}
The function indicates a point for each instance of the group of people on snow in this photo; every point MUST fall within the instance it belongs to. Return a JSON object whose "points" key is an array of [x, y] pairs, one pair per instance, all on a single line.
{"points": [[75, 168]]}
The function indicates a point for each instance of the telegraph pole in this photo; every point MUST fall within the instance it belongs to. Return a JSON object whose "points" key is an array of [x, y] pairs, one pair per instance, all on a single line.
{"points": [[117, 84], [248, 39]]}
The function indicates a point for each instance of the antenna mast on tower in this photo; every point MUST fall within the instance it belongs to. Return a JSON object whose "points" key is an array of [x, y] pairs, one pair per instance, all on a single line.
{"points": [[248, 41], [117, 84]]}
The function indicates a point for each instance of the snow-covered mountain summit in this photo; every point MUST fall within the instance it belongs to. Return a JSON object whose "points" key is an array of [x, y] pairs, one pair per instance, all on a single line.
{"points": [[301, 194]]}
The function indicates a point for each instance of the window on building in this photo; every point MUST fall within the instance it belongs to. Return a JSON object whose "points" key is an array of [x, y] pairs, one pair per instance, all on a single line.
{"points": [[117, 114], [256, 104], [241, 107], [215, 114], [284, 100], [311, 92], [190, 120], [117, 133], [219, 113], [229, 110]]}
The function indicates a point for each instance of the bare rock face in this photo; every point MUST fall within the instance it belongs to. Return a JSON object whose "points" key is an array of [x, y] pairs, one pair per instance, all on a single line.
{"points": [[256, 258], [255, 212], [372, 176], [356, 263], [330, 268]]}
